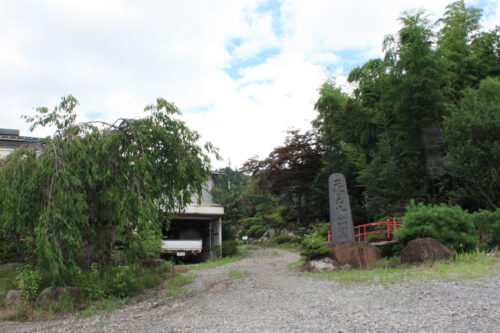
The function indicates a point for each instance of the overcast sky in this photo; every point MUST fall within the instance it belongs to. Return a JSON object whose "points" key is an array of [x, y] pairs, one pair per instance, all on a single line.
{"points": [[241, 72]]}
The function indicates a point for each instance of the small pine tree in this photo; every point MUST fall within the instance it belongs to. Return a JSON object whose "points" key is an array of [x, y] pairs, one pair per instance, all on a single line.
{"points": [[450, 226]]}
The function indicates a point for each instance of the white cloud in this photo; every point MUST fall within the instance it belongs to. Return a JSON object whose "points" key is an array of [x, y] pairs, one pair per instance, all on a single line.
{"points": [[117, 56]]}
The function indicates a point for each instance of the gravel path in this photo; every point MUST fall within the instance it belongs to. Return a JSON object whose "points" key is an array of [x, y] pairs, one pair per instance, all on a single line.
{"points": [[270, 298]]}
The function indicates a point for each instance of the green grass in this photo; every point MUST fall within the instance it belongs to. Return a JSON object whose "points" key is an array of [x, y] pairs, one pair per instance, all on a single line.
{"points": [[106, 305], [296, 265], [290, 246], [276, 254], [242, 254], [238, 274], [175, 285], [464, 267]]}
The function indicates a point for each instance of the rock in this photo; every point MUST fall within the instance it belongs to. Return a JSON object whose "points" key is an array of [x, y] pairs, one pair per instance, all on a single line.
{"points": [[323, 265], [47, 294], [355, 254], [10, 265], [422, 249], [152, 263], [13, 298], [346, 267], [72, 292], [495, 254], [50, 294]]}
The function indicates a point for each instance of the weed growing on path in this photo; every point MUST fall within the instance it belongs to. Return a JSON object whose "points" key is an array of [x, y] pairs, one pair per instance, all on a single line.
{"points": [[242, 254], [238, 274]]}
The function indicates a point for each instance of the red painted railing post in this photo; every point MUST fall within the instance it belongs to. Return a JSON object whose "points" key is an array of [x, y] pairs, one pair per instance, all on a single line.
{"points": [[388, 229], [329, 236]]}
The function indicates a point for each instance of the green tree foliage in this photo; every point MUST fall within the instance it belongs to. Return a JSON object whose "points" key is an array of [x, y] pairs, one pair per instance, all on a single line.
{"points": [[459, 25], [243, 204], [473, 137], [229, 248], [289, 171], [94, 186], [488, 225], [346, 135], [450, 226], [418, 125], [313, 247]]}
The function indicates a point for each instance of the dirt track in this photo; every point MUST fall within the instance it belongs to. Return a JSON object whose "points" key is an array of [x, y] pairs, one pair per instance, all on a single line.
{"points": [[271, 298]]}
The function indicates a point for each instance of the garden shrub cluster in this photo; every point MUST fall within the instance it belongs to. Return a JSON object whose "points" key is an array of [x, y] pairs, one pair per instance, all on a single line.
{"points": [[313, 246], [450, 226], [116, 281], [229, 248], [283, 239], [487, 224], [254, 227]]}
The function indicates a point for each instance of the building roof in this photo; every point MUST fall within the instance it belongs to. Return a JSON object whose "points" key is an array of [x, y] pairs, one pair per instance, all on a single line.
{"points": [[7, 134]]}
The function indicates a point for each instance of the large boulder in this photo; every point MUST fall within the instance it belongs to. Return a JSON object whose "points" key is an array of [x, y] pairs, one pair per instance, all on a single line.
{"points": [[355, 254], [321, 266], [53, 294], [423, 249], [13, 298], [47, 294]]}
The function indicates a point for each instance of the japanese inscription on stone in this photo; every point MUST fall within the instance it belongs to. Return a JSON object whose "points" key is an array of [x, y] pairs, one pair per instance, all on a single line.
{"points": [[340, 211]]}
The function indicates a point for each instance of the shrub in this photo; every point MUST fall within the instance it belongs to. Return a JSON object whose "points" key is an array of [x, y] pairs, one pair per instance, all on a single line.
{"points": [[313, 248], [122, 281], [29, 282], [274, 221], [450, 226], [321, 229], [282, 239], [228, 231], [229, 248], [488, 225], [9, 249], [90, 282], [260, 232], [252, 230], [251, 221], [149, 248]]}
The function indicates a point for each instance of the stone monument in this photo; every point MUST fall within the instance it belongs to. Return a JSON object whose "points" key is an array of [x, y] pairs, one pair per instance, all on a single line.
{"points": [[345, 251], [341, 226]]}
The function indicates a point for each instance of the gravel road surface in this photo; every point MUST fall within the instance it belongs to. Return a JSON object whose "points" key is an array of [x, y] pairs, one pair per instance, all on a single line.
{"points": [[270, 298]]}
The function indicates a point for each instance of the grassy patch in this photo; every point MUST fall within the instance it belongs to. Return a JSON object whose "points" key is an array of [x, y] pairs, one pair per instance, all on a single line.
{"points": [[276, 254], [242, 254], [175, 285], [464, 267], [238, 274], [296, 265], [291, 246], [107, 305]]}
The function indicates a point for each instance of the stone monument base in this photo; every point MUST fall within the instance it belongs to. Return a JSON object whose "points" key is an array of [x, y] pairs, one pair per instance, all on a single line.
{"points": [[355, 254]]}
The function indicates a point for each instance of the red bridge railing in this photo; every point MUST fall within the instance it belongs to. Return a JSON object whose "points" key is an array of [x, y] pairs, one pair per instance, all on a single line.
{"points": [[384, 231]]}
